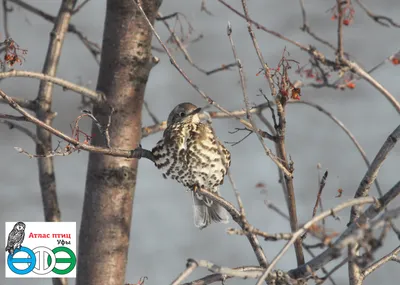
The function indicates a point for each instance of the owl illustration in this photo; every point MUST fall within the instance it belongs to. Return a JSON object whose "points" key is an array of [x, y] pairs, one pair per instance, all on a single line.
{"points": [[15, 237]]}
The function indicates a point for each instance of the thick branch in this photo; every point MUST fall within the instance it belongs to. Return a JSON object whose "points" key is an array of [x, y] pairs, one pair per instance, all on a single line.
{"points": [[91, 94], [43, 112], [76, 144], [373, 170]]}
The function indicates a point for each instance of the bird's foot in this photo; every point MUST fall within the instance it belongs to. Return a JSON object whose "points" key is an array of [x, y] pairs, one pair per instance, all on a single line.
{"points": [[140, 152]]}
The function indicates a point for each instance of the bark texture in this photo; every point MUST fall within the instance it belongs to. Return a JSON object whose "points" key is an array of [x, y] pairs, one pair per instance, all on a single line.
{"points": [[44, 113], [110, 186]]}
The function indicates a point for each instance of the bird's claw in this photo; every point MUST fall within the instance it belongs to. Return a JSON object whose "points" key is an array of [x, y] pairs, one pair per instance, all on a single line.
{"points": [[137, 152]]}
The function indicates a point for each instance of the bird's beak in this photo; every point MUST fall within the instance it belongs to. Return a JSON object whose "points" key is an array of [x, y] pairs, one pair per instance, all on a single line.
{"points": [[195, 111]]}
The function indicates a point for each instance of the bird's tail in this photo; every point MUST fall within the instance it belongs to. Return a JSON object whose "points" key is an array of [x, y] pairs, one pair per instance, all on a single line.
{"points": [[206, 211], [10, 249]]}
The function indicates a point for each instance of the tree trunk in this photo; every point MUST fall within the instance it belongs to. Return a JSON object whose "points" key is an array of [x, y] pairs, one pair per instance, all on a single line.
{"points": [[126, 61]]}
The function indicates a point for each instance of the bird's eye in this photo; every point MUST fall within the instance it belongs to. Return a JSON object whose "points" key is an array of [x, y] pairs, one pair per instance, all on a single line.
{"points": [[182, 114]]}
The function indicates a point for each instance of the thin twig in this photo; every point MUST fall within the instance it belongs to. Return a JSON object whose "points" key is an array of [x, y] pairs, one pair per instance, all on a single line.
{"points": [[388, 257], [259, 26], [323, 269], [6, 10], [266, 236], [24, 103], [276, 209], [203, 8], [80, 6], [183, 49], [104, 130], [383, 20], [306, 28], [321, 187], [24, 130], [12, 117], [334, 269], [151, 114]]}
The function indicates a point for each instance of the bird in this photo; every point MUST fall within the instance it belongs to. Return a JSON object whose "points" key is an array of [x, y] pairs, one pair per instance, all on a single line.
{"points": [[190, 153], [15, 237]]}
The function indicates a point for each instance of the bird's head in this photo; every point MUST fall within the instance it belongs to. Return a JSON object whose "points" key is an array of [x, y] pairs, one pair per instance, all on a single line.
{"points": [[184, 112], [19, 226]]}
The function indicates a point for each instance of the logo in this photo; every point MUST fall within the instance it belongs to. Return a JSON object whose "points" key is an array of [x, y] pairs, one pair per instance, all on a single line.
{"points": [[40, 249]]}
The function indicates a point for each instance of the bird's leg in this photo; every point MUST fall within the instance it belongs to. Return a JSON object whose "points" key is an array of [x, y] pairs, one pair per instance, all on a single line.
{"points": [[195, 187], [140, 152]]}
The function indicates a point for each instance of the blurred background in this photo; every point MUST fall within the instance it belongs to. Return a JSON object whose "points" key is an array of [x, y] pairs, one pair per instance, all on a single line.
{"points": [[163, 236]]}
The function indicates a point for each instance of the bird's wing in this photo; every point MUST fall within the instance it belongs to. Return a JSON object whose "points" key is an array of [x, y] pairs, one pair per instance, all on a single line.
{"points": [[206, 130], [226, 153], [12, 237], [19, 235], [22, 236]]}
